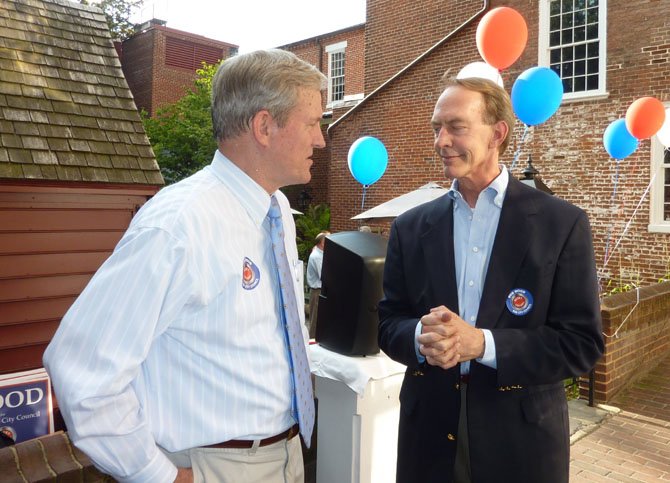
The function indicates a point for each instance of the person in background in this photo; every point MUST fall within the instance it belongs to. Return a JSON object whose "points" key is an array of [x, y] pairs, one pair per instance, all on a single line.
{"points": [[314, 264], [179, 360], [491, 301]]}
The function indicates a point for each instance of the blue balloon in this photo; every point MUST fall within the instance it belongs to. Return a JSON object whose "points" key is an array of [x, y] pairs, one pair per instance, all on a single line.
{"points": [[367, 160], [536, 95], [619, 142]]}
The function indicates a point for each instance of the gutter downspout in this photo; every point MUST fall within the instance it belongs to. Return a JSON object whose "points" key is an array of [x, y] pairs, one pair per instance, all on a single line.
{"points": [[485, 6]]}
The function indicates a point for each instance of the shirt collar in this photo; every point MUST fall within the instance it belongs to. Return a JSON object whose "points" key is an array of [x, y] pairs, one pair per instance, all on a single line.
{"points": [[254, 199], [497, 186]]}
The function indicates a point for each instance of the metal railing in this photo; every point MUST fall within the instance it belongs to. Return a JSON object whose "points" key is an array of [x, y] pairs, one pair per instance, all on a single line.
{"points": [[572, 387]]}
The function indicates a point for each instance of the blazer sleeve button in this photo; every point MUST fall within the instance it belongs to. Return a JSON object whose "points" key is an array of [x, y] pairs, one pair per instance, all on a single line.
{"points": [[451, 437]]}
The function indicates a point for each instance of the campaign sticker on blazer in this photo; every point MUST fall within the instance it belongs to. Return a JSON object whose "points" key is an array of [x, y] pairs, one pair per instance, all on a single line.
{"points": [[250, 274], [519, 301]]}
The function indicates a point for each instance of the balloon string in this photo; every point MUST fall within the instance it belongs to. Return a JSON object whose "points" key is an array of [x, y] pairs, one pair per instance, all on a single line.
{"points": [[518, 149], [609, 230], [616, 245], [616, 180], [365, 187]]}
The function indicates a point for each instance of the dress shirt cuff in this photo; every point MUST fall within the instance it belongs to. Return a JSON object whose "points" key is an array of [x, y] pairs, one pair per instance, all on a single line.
{"points": [[159, 469], [489, 357], [417, 333]]}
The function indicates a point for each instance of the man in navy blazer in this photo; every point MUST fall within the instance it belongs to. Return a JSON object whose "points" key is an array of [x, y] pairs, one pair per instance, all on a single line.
{"points": [[491, 301]]}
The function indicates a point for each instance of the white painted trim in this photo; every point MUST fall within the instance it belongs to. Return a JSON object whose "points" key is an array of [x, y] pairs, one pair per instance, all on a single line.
{"points": [[659, 228], [656, 222], [336, 47]]}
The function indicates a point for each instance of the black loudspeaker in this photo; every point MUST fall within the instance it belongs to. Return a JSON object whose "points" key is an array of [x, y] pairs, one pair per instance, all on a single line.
{"points": [[351, 288]]}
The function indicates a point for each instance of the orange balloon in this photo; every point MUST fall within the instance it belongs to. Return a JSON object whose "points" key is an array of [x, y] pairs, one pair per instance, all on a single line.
{"points": [[645, 117], [501, 37]]}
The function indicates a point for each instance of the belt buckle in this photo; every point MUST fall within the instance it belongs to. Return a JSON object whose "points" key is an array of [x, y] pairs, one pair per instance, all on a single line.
{"points": [[292, 432]]}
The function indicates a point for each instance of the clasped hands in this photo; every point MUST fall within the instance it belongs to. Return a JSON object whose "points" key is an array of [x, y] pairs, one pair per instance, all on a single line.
{"points": [[446, 339]]}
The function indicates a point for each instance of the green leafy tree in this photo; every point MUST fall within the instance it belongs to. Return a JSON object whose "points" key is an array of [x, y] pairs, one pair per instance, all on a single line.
{"points": [[315, 219], [181, 133], [118, 13]]}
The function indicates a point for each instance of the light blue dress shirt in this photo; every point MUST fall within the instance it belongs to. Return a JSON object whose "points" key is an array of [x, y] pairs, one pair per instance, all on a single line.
{"points": [[474, 234], [314, 266], [177, 340]]}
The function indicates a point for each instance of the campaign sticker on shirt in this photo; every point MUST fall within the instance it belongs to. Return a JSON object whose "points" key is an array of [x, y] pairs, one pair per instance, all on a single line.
{"points": [[250, 274], [519, 301]]}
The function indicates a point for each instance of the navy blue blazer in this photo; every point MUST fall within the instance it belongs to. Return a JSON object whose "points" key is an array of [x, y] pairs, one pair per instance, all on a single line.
{"points": [[517, 415]]}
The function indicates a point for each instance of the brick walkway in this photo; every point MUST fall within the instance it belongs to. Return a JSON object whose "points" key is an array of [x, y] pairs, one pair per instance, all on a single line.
{"points": [[630, 446], [633, 445]]}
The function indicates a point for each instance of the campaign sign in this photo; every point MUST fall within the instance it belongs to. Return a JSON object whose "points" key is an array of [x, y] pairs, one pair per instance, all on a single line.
{"points": [[25, 405]]}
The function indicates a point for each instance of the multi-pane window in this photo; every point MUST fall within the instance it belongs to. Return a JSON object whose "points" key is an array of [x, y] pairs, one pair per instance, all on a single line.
{"points": [[337, 76], [572, 43], [336, 71], [659, 212]]}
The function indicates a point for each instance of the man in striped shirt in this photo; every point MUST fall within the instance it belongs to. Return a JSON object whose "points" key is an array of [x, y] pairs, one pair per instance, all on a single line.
{"points": [[174, 364]]}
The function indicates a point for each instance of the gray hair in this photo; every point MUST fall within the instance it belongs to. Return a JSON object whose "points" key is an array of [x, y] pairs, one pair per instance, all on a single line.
{"points": [[265, 79]]}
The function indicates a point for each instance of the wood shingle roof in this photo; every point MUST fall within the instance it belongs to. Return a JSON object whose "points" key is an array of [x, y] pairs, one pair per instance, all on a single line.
{"points": [[66, 112]]}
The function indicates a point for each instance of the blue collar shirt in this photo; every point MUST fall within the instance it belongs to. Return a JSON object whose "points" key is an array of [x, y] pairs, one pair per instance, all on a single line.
{"points": [[474, 234]]}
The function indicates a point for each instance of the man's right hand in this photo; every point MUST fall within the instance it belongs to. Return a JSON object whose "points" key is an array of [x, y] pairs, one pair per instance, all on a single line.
{"points": [[438, 341], [184, 475]]}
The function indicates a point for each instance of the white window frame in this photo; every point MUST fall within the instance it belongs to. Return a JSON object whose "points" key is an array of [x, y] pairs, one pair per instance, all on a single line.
{"points": [[331, 49], [544, 55], [658, 167]]}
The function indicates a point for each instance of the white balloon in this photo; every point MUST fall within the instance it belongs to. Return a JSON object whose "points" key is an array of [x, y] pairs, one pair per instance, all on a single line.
{"points": [[482, 70], [663, 134]]}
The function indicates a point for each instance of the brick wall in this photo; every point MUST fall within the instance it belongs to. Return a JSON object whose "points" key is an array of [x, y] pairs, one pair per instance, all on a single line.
{"points": [[567, 149], [313, 50], [398, 31], [171, 83], [137, 64], [318, 186], [154, 83], [637, 338]]}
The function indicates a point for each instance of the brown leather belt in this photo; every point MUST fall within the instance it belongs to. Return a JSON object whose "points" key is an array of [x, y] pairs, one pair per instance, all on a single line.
{"points": [[245, 443]]}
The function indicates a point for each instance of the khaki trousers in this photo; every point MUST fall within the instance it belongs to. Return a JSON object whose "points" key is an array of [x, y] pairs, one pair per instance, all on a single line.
{"points": [[280, 462]]}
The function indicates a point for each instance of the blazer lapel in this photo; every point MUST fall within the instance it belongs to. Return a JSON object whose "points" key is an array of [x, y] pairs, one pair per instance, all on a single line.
{"points": [[509, 248], [437, 242]]}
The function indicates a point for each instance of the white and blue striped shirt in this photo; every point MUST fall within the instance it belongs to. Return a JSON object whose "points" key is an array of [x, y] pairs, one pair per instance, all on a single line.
{"points": [[177, 340]]}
